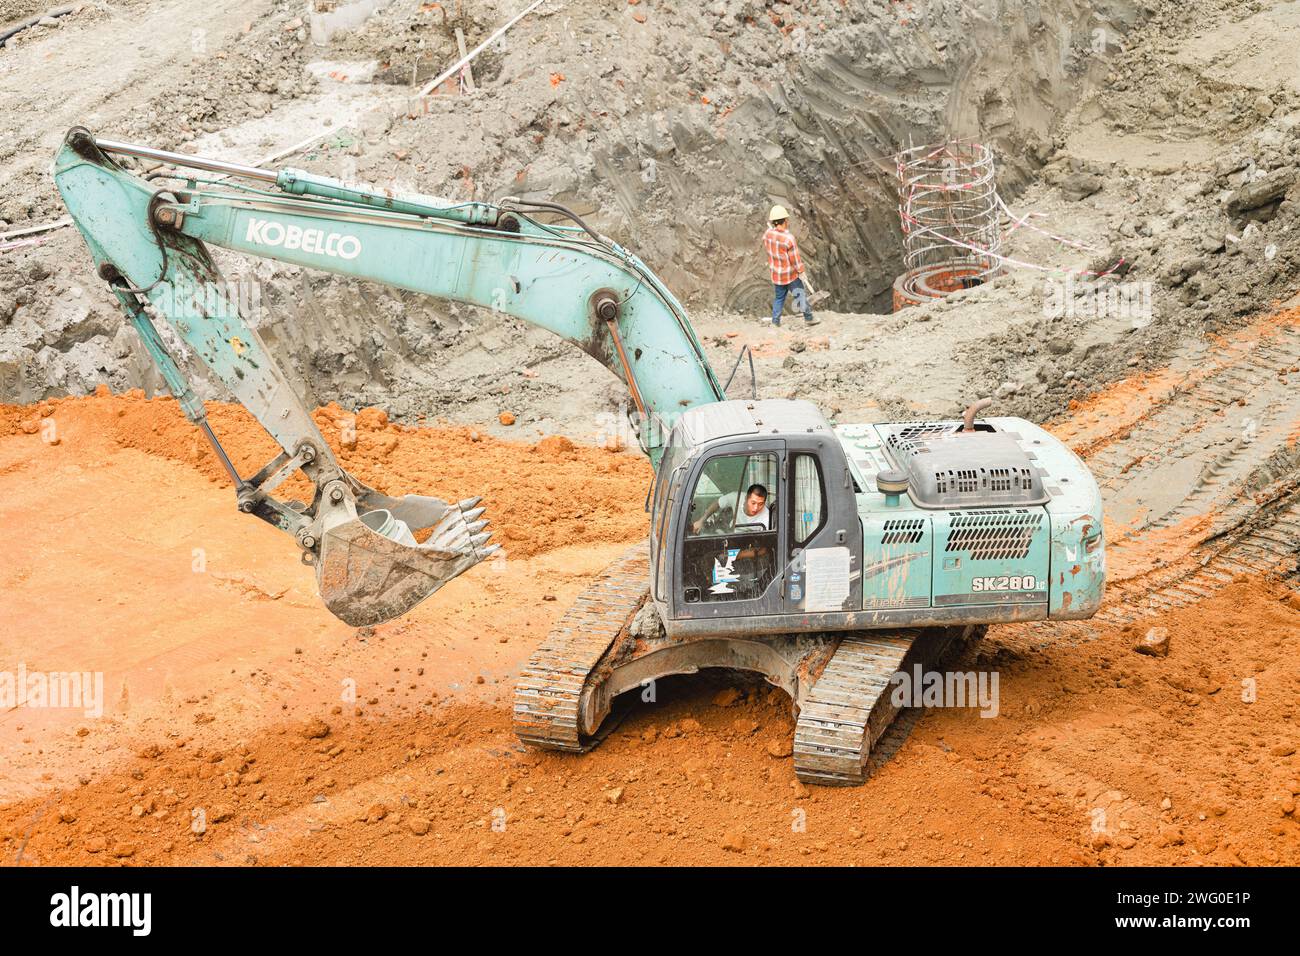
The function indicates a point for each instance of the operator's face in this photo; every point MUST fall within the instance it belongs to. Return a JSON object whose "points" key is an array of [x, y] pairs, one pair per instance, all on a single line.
{"points": [[754, 503]]}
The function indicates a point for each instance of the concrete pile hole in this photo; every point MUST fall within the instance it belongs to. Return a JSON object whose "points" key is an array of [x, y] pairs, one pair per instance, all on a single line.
{"points": [[1126, 277]]}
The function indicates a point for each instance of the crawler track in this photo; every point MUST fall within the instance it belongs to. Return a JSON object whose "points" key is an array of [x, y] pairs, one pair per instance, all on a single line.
{"points": [[548, 695], [845, 706], [851, 705]]}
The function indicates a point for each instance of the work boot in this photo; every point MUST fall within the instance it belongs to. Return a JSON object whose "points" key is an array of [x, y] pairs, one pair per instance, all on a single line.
{"points": [[809, 321]]}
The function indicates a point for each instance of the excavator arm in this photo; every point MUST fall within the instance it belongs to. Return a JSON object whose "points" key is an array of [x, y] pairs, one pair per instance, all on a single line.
{"points": [[149, 239]]}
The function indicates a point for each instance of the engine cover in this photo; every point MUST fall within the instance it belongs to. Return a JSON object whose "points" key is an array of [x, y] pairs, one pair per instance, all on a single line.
{"points": [[949, 468], [1004, 523]]}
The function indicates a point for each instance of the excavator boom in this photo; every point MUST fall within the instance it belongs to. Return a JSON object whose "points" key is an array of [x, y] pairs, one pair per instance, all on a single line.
{"points": [[149, 239]]}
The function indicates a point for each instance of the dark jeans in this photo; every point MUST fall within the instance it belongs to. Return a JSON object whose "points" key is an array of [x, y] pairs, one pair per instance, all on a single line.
{"points": [[800, 300]]}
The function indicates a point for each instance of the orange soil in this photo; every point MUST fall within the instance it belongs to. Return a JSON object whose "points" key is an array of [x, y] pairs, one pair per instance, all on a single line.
{"points": [[224, 694], [538, 497]]}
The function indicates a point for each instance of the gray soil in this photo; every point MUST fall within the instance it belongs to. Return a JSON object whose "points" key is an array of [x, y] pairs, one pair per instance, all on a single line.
{"points": [[1161, 133]]}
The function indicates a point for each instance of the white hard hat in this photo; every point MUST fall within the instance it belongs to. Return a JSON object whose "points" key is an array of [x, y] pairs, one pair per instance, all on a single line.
{"points": [[778, 212]]}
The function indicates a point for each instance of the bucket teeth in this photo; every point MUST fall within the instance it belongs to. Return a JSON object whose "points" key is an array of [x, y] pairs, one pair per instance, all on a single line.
{"points": [[469, 503], [366, 578]]}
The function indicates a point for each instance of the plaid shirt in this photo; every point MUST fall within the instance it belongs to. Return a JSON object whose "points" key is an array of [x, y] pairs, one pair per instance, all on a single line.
{"points": [[782, 255]]}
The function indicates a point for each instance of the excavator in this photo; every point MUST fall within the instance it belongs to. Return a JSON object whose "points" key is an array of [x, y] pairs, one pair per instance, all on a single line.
{"points": [[828, 558]]}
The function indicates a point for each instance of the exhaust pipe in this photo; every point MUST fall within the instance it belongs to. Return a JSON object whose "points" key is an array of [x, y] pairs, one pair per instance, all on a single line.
{"points": [[968, 417]]}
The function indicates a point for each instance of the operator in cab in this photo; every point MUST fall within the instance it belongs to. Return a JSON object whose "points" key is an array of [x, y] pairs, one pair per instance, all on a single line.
{"points": [[754, 516]]}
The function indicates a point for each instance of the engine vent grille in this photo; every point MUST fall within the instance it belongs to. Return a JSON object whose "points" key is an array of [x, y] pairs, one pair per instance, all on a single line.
{"points": [[908, 439], [978, 481], [903, 531], [994, 535]]}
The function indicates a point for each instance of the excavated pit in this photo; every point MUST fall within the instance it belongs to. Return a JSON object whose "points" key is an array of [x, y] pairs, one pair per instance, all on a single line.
{"points": [[673, 136]]}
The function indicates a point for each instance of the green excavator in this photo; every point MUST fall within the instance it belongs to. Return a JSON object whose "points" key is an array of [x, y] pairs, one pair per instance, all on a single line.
{"points": [[827, 557]]}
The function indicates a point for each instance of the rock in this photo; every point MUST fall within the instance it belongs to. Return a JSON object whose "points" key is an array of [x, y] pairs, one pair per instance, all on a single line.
{"points": [[96, 844], [1283, 750], [1154, 643], [1263, 105], [734, 842], [726, 697], [1169, 836], [219, 814], [418, 825], [1190, 266], [689, 726], [780, 747], [1080, 185], [376, 813], [1006, 390], [506, 418], [315, 729], [372, 419], [615, 795], [744, 727], [1262, 192], [123, 850], [67, 815]]}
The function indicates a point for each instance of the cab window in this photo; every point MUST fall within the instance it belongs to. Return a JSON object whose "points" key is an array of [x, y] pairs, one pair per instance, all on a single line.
{"points": [[729, 552], [809, 493]]}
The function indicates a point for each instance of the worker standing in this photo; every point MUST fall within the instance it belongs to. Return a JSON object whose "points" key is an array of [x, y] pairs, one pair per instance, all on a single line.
{"points": [[786, 266]]}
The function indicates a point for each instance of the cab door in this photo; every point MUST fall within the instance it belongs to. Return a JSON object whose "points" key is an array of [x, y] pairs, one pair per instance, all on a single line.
{"points": [[729, 563], [824, 533]]}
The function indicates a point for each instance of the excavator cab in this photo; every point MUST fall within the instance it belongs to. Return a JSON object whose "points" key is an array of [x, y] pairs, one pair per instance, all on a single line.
{"points": [[868, 526], [713, 561]]}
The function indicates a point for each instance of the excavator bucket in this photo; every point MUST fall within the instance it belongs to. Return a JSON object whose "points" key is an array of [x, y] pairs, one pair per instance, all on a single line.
{"points": [[371, 569]]}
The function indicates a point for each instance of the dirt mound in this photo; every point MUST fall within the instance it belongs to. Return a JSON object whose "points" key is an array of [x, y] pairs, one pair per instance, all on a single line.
{"points": [[539, 498]]}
